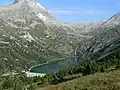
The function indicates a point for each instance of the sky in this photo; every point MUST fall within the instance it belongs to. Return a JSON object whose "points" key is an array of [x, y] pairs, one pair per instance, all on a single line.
{"points": [[79, 10]]}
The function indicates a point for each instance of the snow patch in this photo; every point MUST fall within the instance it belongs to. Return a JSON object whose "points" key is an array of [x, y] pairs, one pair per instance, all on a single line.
{"points": [[38, 4], [10, 74], [3, 35], [11, 37], [5, 59], [28, 37], [30, 74], [33, 24], [47, 36], [41, 16], [11, 24], [4, 42], [17, 59]]}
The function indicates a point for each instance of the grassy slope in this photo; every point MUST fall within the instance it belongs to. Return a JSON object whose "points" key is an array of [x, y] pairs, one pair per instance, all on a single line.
{"points": [[98, 81]]}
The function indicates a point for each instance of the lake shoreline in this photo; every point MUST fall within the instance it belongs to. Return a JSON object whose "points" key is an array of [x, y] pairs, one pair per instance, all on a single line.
{"points": [[44, 64]]}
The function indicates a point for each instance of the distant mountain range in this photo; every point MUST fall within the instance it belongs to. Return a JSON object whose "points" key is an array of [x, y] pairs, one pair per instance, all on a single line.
{"points": [[29, 35]]}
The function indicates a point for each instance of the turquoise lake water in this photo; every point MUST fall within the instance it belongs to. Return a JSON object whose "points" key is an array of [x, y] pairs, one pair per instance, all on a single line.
{"points": [[52, 66]]}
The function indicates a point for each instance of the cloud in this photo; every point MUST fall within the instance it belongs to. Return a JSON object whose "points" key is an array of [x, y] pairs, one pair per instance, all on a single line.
{"points": [[75, 11]]}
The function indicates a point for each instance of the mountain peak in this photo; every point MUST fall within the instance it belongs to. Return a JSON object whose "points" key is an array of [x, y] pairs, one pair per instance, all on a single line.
{"points": [[25, 12], [19, 1]]}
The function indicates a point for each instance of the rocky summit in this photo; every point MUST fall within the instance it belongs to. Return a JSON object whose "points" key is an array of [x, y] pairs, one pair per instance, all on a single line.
{"points": [[30, 35], [25, 12]]}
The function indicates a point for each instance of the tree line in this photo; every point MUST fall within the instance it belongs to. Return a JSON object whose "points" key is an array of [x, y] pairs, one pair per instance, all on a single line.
{"points": [[20, 82]]}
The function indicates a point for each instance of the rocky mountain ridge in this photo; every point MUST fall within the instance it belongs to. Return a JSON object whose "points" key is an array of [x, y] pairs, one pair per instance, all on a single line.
{"points": [[104, 44], [29, 35]]}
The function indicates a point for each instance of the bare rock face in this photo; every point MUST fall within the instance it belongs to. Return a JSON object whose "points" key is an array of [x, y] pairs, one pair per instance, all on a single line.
{"points": [[103, 44], [20, 1], [29, 34], [24, 13], [114, 20]]}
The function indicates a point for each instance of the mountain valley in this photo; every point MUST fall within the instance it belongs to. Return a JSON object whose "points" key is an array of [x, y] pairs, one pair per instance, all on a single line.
{"points": [[30, 35]]}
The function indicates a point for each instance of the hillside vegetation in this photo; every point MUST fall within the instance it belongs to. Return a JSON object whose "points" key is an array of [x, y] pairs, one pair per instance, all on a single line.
{"points": [[98, 81], [90, 73]]}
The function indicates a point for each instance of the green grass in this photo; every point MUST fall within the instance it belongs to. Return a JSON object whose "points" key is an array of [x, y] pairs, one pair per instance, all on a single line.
{"points": [[98, 81]]}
